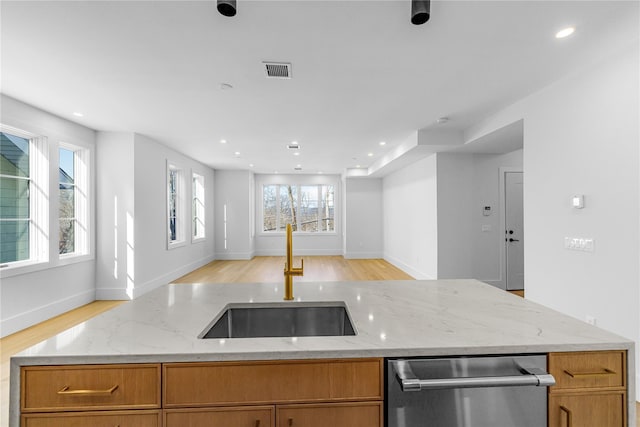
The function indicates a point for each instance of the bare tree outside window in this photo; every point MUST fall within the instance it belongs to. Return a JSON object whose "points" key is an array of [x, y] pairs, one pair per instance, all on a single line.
{"points": [[308, 208]]}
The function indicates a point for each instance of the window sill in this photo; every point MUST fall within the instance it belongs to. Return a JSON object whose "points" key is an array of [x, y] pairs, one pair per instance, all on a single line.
{"points": [[26, 267], [175, 245], [198, 239]]}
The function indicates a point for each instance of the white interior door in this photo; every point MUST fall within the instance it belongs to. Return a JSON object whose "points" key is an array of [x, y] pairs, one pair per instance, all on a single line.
{"points": [[514, 233]]}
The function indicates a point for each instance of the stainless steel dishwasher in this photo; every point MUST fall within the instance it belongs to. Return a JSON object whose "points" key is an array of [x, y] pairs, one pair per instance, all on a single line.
{"points": [[484, 391]]}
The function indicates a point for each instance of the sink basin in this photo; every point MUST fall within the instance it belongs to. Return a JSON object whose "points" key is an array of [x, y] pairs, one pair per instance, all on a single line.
{"points": [[302, 319]]}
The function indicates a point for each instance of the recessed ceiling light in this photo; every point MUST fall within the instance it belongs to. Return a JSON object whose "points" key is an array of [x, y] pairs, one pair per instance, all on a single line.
{"points": [[250, 165], [565, 32], [370, 154], [77, 114], [223, 141], [358, 166], [382, 143], [298, 166], [294, 142], [237, 153]]}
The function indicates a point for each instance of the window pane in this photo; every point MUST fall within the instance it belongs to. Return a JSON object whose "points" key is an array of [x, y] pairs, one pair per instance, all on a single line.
{"points": [[173, 187], [327, 206], [66, 166], [288, 197], [14, 240], [14, 198], [269, 207], [67, 201], [67, 236], [308, 208], [14, 155]]}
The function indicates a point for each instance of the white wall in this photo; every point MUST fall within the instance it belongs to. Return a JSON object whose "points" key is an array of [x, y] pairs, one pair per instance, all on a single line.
{"points": [[455, 215], [115, 201], [274, 244], [133, 257], [50, 288], [363, 218], [410, 219], [154, 264], [233, 191], [581, 137]]}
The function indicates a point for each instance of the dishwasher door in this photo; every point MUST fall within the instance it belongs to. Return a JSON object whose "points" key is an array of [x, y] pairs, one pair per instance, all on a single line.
{"points": [[496, 391]]}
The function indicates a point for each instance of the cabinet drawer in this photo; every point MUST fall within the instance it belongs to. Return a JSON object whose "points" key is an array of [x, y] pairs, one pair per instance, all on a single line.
{"points": [[95, 419], [90, 387], [247, 416], [587, 410], [588, 369], [268, 382], [367, 414]]}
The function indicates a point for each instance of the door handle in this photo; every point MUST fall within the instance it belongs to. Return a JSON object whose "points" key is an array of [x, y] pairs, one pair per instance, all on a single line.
{"points": [[513, 240]]}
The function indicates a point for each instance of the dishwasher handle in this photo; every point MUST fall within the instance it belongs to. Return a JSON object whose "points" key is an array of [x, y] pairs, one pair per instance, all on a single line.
{"points": [[530, 377]]}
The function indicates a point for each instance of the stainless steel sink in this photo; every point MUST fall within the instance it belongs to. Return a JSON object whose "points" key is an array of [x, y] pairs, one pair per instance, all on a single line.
{"points": [[301, 319]]}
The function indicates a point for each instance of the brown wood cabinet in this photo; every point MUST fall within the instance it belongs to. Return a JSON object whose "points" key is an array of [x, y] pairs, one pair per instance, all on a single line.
{"points": [[243, 416], [361, 414], [590, 390], [95, 419], [270, 382], [88, 387]]}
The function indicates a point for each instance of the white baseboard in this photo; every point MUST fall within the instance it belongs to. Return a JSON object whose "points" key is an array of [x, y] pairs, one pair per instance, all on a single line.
{"points": [[45, 312], [234, 255], [417, 274], [300, 252], [363, 255], [143, 288]]}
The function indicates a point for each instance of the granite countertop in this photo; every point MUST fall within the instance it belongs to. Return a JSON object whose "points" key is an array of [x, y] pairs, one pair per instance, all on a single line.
{"points": [[392, 318]]}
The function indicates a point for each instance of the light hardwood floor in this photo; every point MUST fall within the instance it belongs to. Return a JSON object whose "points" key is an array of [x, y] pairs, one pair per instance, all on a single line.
{"points": [[259, 269]]}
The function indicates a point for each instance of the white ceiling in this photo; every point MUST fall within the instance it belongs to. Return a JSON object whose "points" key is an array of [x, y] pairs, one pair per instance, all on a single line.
{"points": [[362, 73]]}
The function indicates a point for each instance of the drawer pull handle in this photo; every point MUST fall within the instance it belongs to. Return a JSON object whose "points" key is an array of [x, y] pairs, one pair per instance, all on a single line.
{"points": [[569, 415], [604, 372], [108, 392], [290, 422], [257, 423]]}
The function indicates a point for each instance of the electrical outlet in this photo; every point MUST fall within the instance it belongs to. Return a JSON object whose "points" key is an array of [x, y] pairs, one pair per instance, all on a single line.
{"points": [[590, 320]]}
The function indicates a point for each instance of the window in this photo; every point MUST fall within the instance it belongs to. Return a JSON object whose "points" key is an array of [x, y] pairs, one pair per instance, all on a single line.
{"points": [[73, 214], [197, 209], [24, 201], [174, 203], [66, 201], [308, 208], [15, 212]]}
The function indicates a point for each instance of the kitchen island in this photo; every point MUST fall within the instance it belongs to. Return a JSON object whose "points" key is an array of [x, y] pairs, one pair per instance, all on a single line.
{"points": [[391, 319]]}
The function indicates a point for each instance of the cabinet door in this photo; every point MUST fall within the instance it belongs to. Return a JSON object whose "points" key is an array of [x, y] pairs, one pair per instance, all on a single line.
{"points": [[587, 410], [94, 419], [247, 416], [360, 414]]}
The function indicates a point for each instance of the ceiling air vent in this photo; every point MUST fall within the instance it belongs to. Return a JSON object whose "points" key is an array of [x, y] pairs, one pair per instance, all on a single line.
{"points": [[297, 168], [293, 146], [277, 70]]}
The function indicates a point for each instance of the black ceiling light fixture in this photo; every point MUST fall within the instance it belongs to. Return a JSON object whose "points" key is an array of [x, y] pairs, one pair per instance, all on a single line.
{"points": [[227, 7], [420, 11]]}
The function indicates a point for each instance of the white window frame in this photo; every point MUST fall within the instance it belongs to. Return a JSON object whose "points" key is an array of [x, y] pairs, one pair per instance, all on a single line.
{"points": [[179, 200], [198, 207], [38, 202], [81, 162], [298, 185]]}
